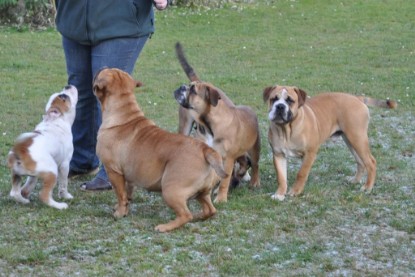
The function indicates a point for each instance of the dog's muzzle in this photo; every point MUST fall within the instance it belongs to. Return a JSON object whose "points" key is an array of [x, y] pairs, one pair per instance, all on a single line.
{"points": [[180, 95], [280, 114], [63, 96]]}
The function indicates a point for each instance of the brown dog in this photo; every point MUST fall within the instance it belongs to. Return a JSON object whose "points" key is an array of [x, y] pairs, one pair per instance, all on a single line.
{"points": [[299, 125], [231, 130], [135, 152]]}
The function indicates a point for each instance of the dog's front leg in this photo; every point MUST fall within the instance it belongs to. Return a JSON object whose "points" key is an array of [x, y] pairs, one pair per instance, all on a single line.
{"points": [[63, 181], [302, 175], [224, 184], [280, 164], [119, 186]]}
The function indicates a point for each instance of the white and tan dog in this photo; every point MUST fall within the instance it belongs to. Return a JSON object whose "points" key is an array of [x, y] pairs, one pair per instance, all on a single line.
{"points": [[45, 153], [299, 125], [231, 130]]}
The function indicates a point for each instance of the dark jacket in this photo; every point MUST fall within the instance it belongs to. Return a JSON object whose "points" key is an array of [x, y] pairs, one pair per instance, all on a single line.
{"points": [[92, 21]]}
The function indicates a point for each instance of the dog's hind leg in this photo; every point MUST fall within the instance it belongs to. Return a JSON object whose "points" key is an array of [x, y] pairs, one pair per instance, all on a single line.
{"points": [[16, 191], [178, 202], [360, 145], [208, 209], [254, 154], [360, 170], [29, 186], [49, 182]]}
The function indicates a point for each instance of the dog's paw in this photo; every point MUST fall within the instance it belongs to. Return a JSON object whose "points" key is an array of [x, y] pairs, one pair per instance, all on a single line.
{"points": [[162, 228], [59, 205], [220, 199], [353, 180], [295, 192], [120, 213], [247, 177], [19, 198], [279, 197], [65, 195], [365, 189]]}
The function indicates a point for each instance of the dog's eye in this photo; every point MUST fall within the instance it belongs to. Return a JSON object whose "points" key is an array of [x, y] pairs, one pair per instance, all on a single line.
{"points": [[290, 101], [273, 100]]}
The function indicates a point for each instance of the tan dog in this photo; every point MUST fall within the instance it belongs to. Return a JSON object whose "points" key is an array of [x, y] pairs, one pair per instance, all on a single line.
{"points": [[135, 152], [46, 152], [187, 122], [231, 130], [299, 125]]}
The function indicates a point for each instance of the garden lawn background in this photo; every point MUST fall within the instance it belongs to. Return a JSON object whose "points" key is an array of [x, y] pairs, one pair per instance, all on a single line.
{"points": [[361, 47]]}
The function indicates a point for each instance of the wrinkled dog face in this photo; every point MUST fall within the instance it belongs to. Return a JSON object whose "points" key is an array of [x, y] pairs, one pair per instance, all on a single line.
{"points": [[197, 96], [283, 103]]}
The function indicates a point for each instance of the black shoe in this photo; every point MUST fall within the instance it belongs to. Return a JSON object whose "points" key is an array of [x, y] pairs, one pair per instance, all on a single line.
{"points": [[96, 184], [74, 174]]}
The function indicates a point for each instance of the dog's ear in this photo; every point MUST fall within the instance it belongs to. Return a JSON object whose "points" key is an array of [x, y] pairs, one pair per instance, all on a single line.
{"points": [[302, 96], [52, 114], [266, 93], [213, 95], [99, 84]]}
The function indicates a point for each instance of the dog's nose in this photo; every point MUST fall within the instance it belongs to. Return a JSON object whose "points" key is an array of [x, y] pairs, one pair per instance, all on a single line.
{"points": [[183, 87], [63, 96], [280, 107], [68, 87]]}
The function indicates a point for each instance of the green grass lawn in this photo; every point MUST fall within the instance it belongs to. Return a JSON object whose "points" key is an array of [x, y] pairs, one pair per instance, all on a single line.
{"points": [[361, 47]]}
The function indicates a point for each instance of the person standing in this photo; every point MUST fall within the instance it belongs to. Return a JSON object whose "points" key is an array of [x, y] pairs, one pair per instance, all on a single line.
{"points": [[97, 34]]}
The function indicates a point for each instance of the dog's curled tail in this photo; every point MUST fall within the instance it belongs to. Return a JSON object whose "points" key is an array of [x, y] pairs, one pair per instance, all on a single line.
{"points": [[215, 160], [185, 65], [388, 104]]}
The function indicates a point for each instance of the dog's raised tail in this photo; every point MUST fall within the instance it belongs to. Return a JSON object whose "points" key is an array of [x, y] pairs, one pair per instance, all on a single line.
{"points": [[388, 104], [185, 65], [215, 160]]}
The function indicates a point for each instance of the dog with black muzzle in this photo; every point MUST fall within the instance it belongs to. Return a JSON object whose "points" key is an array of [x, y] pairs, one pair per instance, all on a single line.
{"points": [[45, 153], [231, 130], [299, 125]]}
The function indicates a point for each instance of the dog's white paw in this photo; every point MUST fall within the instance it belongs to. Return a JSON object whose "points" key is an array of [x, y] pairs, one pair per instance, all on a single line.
{"points": [[279, 197], [18, 197], [246, 177], [65, 195], [58, 205]]}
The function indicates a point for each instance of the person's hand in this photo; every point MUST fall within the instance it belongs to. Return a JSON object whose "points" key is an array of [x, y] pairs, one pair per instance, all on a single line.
{"points": [[160, 4]]}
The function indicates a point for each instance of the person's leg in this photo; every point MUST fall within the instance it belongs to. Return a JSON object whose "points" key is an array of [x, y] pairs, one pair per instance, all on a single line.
{"points": [[88, 117], [121, 53]]}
